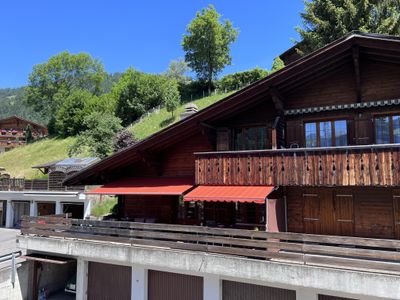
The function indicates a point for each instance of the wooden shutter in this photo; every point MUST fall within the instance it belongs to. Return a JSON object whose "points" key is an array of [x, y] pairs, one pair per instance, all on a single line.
{"points": [[396, 209], [223, 139], [311, 213], [364, 130], [294, 134], [344, 215]]}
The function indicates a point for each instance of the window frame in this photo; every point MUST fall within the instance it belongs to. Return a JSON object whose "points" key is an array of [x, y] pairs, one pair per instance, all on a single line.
{"points": [[333, 132], [391, 127], [245, 129]]}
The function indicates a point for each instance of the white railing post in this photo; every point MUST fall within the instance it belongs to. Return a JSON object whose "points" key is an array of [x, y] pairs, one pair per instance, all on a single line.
{"points": [[306, 294], [139, 283], [9, 214], [81, 279], [212, 287]]}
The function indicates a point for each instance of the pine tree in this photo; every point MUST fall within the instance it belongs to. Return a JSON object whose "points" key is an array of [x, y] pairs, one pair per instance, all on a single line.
{"points": [[327, 20]]}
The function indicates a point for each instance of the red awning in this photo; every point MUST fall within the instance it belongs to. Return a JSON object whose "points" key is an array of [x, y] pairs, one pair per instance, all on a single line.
{"points": [[241, 193], [146, 186]]}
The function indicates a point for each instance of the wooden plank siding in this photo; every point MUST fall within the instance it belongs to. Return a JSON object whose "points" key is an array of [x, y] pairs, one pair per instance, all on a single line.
{"points": [[362, 212], [373, 165]]}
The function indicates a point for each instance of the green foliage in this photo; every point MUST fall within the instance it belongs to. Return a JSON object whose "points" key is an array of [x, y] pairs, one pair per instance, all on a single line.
{"points": [[277, 64], [159, 120], [327, 20], [104, 207], [97, 139], [137, 92], [177, 71], [80, 103], [12, 102], [171, 97], [50, 83], [207, 44], [237, 80]]}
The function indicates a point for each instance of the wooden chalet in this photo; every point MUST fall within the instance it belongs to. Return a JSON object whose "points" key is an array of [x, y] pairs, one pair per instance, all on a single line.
{"points": [[13, 132], [313, 148]]}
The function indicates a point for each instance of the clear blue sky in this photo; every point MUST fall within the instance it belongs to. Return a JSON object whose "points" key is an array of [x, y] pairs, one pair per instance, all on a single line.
{"points": [[143, 34]]}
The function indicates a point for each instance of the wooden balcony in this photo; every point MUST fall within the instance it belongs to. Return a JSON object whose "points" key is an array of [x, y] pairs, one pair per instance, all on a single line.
{"points": [[378, 255], [372, 165], [22, 184]]}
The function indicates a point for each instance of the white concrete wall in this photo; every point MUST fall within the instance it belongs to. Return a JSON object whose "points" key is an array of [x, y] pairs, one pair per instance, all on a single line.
{"points": [[20, 289]]}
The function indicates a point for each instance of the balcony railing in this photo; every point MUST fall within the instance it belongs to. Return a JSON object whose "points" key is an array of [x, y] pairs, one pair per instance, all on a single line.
{"points": [[372, 165], [22, 184], [378, 255]]}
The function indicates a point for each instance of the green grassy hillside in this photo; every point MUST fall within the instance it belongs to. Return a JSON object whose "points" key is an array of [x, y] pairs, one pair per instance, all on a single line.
{"points": [[158, 120], [18, 162]]}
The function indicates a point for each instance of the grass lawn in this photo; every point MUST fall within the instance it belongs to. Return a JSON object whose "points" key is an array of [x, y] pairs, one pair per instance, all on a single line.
{"points": [[18, 162], [103, 207], [158, 120]]}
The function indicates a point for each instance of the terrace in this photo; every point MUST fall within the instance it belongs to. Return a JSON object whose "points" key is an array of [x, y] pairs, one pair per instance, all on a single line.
{"points": [[361, 254], [370, 165]]}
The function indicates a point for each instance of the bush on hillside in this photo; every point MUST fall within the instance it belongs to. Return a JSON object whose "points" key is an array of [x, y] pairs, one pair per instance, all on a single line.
{"points": [[123, 139], [238, 80], [97, 139]]}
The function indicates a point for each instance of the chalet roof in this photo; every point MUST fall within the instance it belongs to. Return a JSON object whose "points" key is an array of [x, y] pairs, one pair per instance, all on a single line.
{"points": [[24, 120], [300, 72], [67, 164]]}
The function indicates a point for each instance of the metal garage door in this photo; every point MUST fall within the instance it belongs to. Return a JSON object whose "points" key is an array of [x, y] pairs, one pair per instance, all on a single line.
{"points": [[243, 291], [325, 297], [172, 286], [21, 208], [106, 282]]}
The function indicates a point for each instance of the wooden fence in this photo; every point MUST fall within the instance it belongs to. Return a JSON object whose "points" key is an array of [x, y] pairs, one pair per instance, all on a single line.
{"points": [[373, 165], [11, 184], [22, 184], [376, 255]]}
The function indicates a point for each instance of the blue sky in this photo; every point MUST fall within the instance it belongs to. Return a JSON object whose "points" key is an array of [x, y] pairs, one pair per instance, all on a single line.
{"points": [[143, 34]]}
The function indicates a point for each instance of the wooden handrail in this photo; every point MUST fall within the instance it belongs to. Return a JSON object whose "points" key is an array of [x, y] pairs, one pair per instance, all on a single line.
{"points": [[378, 255]]}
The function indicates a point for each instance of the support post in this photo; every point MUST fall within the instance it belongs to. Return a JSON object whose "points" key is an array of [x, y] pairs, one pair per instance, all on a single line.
{"points": [[87, 206], [58, 208], [212, 288], [306, 294], [81, 279], [32, 209], [139, 283], [9, 215]]}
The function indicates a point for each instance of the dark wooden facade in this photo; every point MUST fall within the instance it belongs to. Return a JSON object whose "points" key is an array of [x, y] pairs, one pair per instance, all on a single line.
{"points": [[325, 130]]}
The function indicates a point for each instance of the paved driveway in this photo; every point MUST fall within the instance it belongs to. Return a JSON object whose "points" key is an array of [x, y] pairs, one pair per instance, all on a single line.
{"points": [[8, 240]]}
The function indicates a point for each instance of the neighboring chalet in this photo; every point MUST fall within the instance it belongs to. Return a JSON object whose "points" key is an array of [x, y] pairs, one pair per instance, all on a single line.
{"points": [[13, 132], [42, 197], [256, 196]]}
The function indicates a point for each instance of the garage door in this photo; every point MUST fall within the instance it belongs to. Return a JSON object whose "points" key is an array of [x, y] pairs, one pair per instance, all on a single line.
{"points": [[172, 286], [20, 209], [75, 209], [232, 290], [107, 282], [46, 209]]}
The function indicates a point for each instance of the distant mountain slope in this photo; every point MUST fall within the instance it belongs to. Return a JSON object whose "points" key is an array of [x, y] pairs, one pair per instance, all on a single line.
{"points": [[12, 103]]}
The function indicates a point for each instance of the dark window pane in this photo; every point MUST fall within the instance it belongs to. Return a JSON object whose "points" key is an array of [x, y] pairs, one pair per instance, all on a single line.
{"points": [[325, 133], [340, 133], [396, 129], [253, 138], [311, 134], [382, 133]]}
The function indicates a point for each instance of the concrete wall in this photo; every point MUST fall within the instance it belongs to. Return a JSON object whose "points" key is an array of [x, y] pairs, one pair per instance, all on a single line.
{"points": [[307, 281], [21, 287]]}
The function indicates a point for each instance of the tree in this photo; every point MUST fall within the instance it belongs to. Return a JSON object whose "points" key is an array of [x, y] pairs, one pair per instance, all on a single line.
{"points": [[327, 20], [97, 139], [238, 80], [137, 92], [207, 44], [123, 139], [177, 71], [277, 64], [171, 97], [53, 81]]}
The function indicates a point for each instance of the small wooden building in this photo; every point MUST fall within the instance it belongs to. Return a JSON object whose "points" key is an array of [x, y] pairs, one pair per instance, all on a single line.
{"points": [[13, 132], [312, 148]]}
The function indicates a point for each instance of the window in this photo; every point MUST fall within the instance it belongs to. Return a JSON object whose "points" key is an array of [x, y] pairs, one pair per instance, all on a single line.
{"points": [[387, 129], [327, 133], [250, 138]]}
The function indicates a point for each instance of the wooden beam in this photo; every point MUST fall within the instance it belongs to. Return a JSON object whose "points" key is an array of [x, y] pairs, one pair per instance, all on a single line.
{"points": [[152, 161], [277, 99], [356, 64]]}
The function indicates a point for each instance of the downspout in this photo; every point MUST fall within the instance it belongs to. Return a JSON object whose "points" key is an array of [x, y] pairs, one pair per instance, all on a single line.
{"points": [[266, 214]]}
